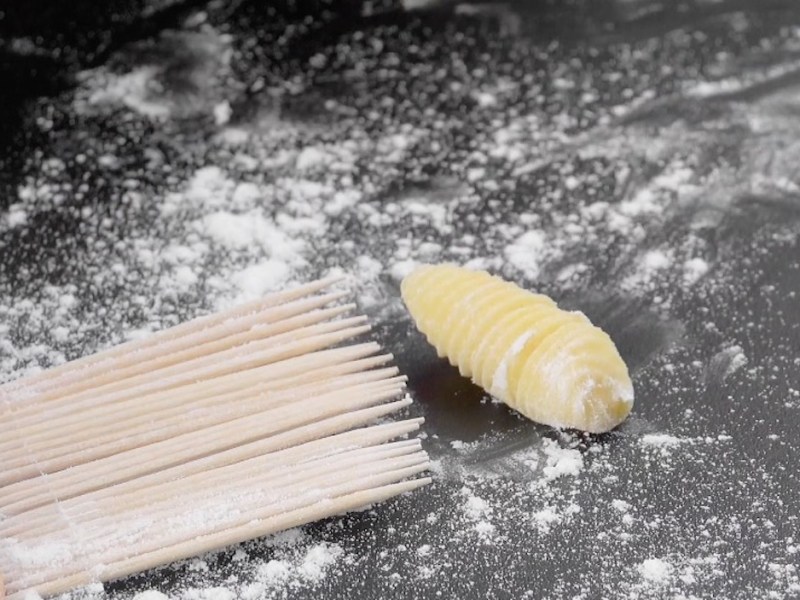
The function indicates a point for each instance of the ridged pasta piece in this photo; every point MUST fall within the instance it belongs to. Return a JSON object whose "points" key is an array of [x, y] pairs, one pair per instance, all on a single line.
{"points": [[551, 365]]}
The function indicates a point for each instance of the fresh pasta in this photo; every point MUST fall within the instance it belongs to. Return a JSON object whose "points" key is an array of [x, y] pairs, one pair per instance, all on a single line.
{"points": [[551, 365]]}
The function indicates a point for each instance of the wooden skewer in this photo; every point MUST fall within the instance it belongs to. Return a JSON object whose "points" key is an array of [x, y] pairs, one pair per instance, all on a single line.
{"points": [[155, 408], [225, 428], [294, 329], [253, 469], [208, 543], [158, 502], [165, 533], [169, 451], [203, 413], [108, 538], [285, 345], [233, 332], [284, 371], [32, 493], [281, 357], [281, 371], [157, 339]]}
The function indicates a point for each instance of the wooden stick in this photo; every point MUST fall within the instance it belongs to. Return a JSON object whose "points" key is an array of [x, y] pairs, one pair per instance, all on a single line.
{"points": [[254, 340], [281, 372], [170, 533], [110, 445], [108, 538], [207, 411], [89, 477], [199, 436], [157, 339], [256, 468], [290, 349], [178, 449], [290, 359], [281, 346], [157, 503], [156, 408], [233, 332], [220, 540]]}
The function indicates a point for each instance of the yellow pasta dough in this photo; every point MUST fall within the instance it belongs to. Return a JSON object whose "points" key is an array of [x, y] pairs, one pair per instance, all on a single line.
{"points": [[551, 365]]}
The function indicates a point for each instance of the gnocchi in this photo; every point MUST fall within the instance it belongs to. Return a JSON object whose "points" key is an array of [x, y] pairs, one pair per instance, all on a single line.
{"points": [[551, 365]]}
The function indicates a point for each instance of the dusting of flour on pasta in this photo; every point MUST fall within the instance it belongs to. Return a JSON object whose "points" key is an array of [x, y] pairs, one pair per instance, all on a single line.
{"points": [[500, 377]]}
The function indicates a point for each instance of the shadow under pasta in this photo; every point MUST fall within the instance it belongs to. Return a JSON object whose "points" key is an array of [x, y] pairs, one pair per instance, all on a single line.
{"points": [[457, 409]]}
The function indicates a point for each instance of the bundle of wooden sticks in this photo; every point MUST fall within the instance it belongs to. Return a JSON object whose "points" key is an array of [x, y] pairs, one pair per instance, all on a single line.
{"points": [[220, 430]]}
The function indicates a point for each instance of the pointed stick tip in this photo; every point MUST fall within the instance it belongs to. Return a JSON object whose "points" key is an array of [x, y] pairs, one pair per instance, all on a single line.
{"points": [[351, 325], [382, 359], [336, 295], [393, 405], [408, 425], [337, 310], [331, 278]]}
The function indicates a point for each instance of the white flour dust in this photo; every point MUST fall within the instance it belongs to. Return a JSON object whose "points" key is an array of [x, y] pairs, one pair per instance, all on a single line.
{"points": [[195, 195]]}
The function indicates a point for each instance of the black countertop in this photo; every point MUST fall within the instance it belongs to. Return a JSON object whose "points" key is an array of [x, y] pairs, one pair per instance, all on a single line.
{"points": [[634, 161]]}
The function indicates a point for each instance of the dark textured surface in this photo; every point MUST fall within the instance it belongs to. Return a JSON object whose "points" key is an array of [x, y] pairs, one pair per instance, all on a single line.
{"points": [[724, 496]]}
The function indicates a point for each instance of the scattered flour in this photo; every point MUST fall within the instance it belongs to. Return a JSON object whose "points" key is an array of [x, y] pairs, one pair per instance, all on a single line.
{"points": [[694, 269], [222, 112], [478, 512], [150, 595], [241, 231], [546, 518], [317, 560], [660, 440], [136, 91], [655, 570], [620, 505], [310, 158], [732, 85], [400, 269], [274, 571], [16, 216], [561, 462], [726, 362], [297, 563], [208, 593], [258, 279], [525, 253], [652, 263]]}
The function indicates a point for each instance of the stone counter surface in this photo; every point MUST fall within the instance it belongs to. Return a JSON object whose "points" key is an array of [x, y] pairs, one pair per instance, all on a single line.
{"points": [[637, 161]]}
